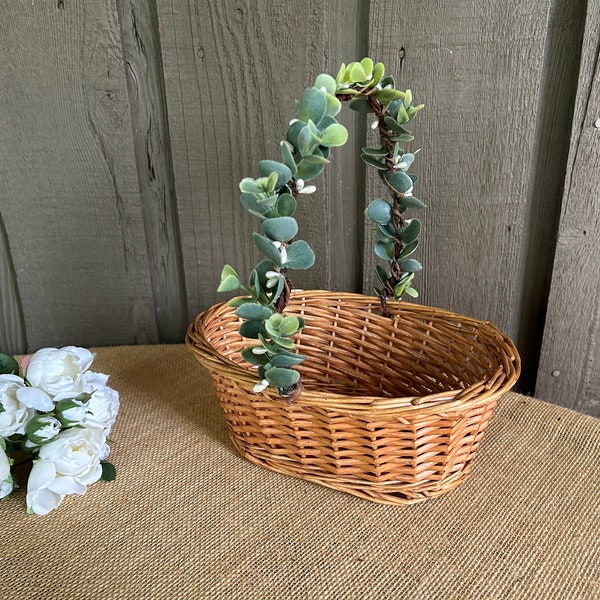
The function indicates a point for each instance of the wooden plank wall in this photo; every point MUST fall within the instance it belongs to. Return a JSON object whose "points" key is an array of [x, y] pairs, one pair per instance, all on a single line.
{"points": [[127, 124]]}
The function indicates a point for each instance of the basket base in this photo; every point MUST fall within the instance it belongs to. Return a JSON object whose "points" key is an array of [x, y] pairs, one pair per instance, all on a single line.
{"points": [[396, 494]]}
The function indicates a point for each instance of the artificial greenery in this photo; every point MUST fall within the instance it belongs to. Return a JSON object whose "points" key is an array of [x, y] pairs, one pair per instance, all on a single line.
{"points": [[273, 196]]}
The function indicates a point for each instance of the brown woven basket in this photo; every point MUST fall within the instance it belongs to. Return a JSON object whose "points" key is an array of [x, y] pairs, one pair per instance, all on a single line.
{"points": [[393, 409]]}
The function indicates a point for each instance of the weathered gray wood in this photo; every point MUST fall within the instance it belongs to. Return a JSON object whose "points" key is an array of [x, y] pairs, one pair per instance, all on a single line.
{"points": [[566, 24], [477, 67], [141, 44], [569, 371], [12, 327], [232, 72], [70, 197]]}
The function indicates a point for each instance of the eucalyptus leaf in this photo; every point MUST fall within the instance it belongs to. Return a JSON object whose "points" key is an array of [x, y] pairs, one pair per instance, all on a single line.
{"points": [[333, 106], [379, 211], [307, 141], [284, 174], [281, 229], [326, 81], [357, 73], [293, 132], [389, 94], [399, 180], [334, 135], [312, 105], [281, 378], [374, 151], [411, 231], [251, 329], [378, 72], [409, 249], [411, 202], [300, 256], [253, 311], [385, 251], [360, 104], [288, 157], [410, 265], [290, 325], [254, 359], [286, 205], [267, 247], [392, 124], [287, 360], [373, 162], [308, 170], [382, 274]]}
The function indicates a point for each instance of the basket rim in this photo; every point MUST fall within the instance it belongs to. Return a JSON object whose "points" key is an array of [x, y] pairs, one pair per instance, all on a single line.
{"points": [[481, 392]]}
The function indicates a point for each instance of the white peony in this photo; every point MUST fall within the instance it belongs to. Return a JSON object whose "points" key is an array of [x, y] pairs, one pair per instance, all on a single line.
{"points": [[66, 465], [14, 414], [104, 404], [57, 370], [6, 481]]}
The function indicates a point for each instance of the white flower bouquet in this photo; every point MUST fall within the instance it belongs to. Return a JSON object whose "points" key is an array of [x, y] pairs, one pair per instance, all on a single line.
{"points": [[56, 413]]}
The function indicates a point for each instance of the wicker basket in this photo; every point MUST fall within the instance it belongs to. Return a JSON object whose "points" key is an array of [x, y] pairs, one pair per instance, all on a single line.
{"points": [[393, 409]]}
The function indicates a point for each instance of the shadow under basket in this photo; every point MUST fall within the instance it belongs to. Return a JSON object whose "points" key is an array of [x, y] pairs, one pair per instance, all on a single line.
{"points": [[393, 409]]}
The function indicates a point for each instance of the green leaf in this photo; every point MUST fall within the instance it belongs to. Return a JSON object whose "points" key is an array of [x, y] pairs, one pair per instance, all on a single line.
{"points": [[411, 202], [409, 249], [389, 94], [399, 180], [281, 378], [307, 141], [312, 105], [288, 157], [374, 151], [254, 359], [385, 251], [407, 158], [286, 205], [410, 265], [378, 72], [251, 329], [411, 231], [373, 162], [252, 204], [412, 292], [289, 325], [300, 256], [334, 135], [360, 104], [283, 341], [392, 124], [339, 78], [267, 247], [402, 116], [252, 310], [250, 186], [379, 211], [326, 81], [357, 73], [333, 106], [284, 174], [403, 138], [281, 229], [8, 365], [381, 274], [287, 360], [308, 170], [367, 65], [239, 300], [293, 132], [230, 280], [109, 473]]}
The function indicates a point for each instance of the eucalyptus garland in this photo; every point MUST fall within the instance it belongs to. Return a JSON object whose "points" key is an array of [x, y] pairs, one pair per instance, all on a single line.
{"points": [[273, 196]]}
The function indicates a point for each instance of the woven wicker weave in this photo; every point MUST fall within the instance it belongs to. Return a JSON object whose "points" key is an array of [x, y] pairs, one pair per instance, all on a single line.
{"points": [[393, 409]]}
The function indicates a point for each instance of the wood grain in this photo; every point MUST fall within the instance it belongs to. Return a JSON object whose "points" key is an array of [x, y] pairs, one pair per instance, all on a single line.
{"points": [[12, 326], [566, 24], [141, 47], [70, 193], [569, 372], [232, 72], [477, 67]]}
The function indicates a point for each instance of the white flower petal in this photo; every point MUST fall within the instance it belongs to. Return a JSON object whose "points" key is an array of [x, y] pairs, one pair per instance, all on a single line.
{"points": [[35, 398]]}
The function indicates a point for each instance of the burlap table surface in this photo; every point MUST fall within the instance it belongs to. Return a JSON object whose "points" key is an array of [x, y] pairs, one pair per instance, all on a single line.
{"points": [[189, 518]]}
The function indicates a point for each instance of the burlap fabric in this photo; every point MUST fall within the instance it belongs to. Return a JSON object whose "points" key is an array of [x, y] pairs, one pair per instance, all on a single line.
{"points": [[189, 518]]}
